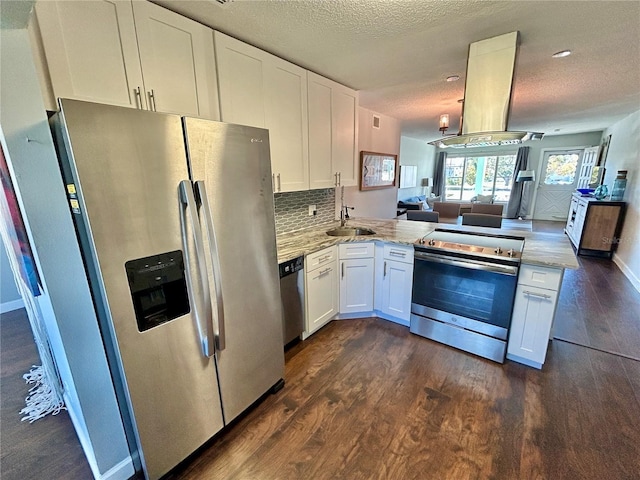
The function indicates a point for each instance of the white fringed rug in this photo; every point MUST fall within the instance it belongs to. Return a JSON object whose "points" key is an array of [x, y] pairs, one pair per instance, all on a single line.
{"points": [[42, 398]]}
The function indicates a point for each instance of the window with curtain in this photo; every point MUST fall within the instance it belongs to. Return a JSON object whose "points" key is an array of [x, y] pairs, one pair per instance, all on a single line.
{"points": [[470, 175]]}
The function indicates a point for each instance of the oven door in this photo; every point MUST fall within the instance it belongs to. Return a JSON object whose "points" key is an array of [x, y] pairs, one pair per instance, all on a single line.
{"points": [[472, 289]]}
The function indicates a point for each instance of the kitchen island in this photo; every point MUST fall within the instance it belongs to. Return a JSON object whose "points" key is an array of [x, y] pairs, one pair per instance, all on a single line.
{"points": [[543, 261], [542, 249]]}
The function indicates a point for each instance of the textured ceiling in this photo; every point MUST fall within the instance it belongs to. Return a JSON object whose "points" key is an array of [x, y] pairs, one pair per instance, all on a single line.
{"points": [[397, 53]]}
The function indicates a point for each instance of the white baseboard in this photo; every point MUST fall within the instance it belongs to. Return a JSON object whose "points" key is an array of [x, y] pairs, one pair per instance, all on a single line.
{"points": [[524, 361], [11, 306], [635, 281], [391, 318], [121, 471]]}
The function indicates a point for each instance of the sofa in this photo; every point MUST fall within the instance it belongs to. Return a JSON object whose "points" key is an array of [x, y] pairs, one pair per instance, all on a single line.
{"points": [[422, 202], [413, 203]]}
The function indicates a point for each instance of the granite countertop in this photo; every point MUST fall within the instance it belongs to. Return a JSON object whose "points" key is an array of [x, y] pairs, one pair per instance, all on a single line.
{"points": [[544, 249]]}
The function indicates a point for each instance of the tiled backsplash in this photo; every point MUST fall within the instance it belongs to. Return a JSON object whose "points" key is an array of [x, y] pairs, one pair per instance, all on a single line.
{"points": [[292, 209]]}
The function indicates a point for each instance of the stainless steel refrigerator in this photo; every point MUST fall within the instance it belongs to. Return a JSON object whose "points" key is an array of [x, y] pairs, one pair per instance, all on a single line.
{"points": [[176, 224]]}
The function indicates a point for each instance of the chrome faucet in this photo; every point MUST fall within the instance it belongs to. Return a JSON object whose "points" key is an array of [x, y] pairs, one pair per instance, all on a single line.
{"points": [[344, 209]]}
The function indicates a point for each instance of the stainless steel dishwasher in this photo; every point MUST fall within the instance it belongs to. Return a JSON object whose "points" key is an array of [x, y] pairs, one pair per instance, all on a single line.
{"points": [[292, 293]]}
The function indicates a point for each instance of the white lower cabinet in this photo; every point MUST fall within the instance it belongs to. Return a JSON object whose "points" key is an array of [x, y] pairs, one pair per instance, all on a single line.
{"points": [[356, 277], [394, 280], [533, 314], [321, 289]]}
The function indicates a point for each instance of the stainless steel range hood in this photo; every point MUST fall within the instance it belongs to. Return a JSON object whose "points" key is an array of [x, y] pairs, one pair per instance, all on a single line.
{"points": [[487, 96]]}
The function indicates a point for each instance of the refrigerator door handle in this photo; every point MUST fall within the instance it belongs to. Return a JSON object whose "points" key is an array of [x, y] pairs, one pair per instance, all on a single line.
{"points": [[188, 202], [215, 260]]}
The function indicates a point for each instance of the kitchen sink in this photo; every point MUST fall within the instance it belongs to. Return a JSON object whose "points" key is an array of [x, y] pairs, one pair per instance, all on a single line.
{"points": [[350, 231]]}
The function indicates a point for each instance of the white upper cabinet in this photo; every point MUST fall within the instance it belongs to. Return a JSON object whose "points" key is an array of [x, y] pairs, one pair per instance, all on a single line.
{"points": [[322, 173], [286, 115], [132, 54], [262, 90], [344, 104], [91, 50], [178, 62], [241, 81], [333, 133]]}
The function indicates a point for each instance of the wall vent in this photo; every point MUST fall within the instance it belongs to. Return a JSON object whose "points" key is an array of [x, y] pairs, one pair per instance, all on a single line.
{"points": [[376, 121]]}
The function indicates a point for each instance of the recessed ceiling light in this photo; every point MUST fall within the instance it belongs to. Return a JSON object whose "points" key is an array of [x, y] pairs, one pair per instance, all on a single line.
{"points": [[453, 78], [563, 53]]}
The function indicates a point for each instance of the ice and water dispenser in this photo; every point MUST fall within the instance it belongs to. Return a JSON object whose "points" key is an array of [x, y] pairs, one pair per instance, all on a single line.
{"points": [[158, 288]]}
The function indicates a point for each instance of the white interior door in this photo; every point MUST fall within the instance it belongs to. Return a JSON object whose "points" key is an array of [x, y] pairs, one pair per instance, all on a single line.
{"points": [[558, 179]]}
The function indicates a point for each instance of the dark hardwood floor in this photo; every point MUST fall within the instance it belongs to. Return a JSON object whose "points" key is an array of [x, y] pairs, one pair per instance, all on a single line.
{"points": [[47, 448], [366, 399], [598, 307]]}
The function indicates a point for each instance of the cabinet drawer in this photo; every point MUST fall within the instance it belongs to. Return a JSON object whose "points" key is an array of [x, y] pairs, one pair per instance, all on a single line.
{"points": [[321, 258], [542, 277], [398, 253], [356, 250]]}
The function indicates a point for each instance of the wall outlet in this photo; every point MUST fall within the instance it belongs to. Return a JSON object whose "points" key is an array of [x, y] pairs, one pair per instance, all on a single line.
{"points": [[312, 210]]}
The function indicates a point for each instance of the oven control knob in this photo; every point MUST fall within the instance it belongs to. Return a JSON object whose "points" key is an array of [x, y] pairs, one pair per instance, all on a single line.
{"points": [[498, 250], [511, 253], [432, 242]]}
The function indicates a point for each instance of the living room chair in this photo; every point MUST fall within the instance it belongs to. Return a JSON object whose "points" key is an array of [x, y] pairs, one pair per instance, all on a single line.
{"points": [[487, 208], [423, 216], [449, 211], [482, 220]]}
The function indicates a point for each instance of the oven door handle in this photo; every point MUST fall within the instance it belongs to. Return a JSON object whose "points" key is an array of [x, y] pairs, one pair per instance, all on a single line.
{"points": [[472, 264]]}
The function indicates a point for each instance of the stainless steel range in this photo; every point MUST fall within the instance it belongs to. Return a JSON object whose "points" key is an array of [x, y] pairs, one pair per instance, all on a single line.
{"points": [[464, 285]]}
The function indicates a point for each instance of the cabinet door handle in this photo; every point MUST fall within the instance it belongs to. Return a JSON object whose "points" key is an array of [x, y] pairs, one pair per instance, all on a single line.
{"points": [[537, 295], [322, 272], [397, 253], [384, 273], [339, 178], [335, 179], [342, 268], [273, 182], [152, 101], [138, 98]]}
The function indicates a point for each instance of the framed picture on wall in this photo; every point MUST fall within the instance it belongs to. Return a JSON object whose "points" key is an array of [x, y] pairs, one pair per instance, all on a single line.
{"points": [[377, 170]]}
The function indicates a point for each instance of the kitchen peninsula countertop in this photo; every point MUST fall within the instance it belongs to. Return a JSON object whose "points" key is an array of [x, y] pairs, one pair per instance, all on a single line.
{"points": [[544, 249]]}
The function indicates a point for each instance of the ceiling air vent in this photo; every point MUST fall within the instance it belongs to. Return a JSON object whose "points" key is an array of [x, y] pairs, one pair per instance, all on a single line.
{"points": [[376, 121]]}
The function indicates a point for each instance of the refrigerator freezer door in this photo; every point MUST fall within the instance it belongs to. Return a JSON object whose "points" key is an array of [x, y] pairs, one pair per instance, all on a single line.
{"points": [[233, 161], [127, 165]]}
